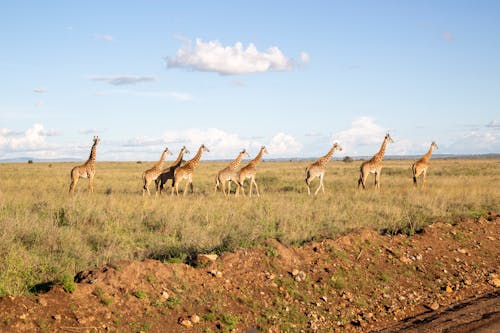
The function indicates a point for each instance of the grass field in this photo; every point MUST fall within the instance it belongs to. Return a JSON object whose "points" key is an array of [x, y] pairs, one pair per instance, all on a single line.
{"points": [[46, 235]]}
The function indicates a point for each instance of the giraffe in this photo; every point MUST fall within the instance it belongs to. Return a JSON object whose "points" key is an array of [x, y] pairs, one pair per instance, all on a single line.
{"points": [[229, 173], [249, 171], [186, 172], [168, 172], [151, 174], [374, 165], [420, 167], [86, 170], [318, 168]]}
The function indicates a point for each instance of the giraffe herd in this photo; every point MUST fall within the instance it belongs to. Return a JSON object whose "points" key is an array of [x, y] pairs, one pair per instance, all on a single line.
{"points": [[178, 172]]}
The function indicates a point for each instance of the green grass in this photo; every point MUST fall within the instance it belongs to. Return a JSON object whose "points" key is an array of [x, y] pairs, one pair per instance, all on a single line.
{"points": [[44, 233]]}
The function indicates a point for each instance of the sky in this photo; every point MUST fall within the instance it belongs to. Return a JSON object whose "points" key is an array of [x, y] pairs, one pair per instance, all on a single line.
{"points": [[295, 76]]}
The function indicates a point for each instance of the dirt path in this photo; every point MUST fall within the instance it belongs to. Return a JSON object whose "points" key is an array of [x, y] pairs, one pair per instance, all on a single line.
{"points": [[480, 315], [445, 279]]}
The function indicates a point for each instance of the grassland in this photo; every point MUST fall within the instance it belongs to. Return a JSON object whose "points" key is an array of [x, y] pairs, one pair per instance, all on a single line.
{"points": [[45, 235]]}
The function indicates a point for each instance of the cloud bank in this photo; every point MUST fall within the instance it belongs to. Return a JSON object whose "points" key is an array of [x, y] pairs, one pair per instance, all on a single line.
{"points": [[121, 80], [212, 56]]}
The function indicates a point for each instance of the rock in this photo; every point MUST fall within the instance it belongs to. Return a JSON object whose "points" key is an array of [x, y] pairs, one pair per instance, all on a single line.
{"points": [[185, 322], [205, 258], [324, 298], [463, 251], [449, 289], [495, 282], [405, 259], [42, 301], [57, 317], [467, 282], [165, 295], [216, 273], [295, 272], [195, 319], [434, 306]]}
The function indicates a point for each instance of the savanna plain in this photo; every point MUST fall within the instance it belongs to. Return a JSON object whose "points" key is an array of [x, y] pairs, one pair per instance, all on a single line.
{"points": [[48, 236]]}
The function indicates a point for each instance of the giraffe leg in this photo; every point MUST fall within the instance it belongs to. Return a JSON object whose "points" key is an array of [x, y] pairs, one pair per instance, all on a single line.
{"points": [[223, 186], [91, 184], [423, 180], [191, 186], [308, 187], [377, 180], [320, 186], [256, 187], [74, 181]]}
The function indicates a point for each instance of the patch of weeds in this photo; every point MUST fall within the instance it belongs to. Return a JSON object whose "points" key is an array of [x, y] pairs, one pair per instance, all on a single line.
{"points": [[140, 294], [174, 260], [271, 251], [229, 321], [68, 283], [459, 236], [384, 277], [43, 326], [107, 300], [209, 316], [172, 302], [150, 278]]}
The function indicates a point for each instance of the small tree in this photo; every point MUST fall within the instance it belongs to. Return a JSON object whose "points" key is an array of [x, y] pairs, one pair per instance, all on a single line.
{"points": [[347, 159], [30, 161]]}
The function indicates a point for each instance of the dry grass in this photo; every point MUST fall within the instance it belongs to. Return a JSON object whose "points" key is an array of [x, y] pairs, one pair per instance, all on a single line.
{"points": [[45, 234]]}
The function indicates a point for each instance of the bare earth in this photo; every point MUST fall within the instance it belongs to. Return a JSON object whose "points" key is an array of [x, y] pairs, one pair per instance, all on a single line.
{"points": [[445, 279]]}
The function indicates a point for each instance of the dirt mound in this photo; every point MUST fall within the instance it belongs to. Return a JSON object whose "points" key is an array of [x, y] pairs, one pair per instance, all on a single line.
{"points": [[358, 282]]}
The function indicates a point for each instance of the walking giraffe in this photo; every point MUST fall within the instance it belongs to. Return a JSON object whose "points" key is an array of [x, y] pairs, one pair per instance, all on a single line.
{"points": [[186, 172], [152, 174], [249, 171], [420, 167], [229, 173], [86, 170], [374, 165], [168, 172], [318, 168]]}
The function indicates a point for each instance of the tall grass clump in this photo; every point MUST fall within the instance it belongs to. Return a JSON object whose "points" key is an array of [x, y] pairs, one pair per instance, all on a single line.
{"points": [[45, 234]]}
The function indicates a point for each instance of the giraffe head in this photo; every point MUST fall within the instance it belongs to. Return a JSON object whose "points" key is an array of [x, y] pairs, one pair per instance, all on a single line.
{"points": [[204, 148], [434, 145], [184, 150], [264, 150], [244, 153], [336, 146], [96, 140], [167, 152], [388, 138]]}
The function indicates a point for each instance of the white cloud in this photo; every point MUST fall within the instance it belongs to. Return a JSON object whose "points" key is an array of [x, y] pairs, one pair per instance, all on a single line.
{"points": [[493, 124], [476, 142], [104, 37], [34, 138], [121, 80], [304, 57], [93, 131], [40, 90], [284, 144], [361, 138], [212, 56], [174, 95]]}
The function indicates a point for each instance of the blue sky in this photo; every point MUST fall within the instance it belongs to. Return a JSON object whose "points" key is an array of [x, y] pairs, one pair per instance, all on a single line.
{"points": [[295, 76]]}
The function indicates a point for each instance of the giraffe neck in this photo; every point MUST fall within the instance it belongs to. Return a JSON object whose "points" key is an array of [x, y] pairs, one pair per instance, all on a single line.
{"points": [[427, 156], [380, 155], [257, 158], [178, 161], [234, 164], [91, 160], [324, 160], [160, 161], [196, 159]]}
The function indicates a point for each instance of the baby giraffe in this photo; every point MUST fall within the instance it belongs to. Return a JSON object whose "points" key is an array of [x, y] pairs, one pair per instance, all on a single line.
{"points": [[420, 167], [86, 170], [151, 174], [229, 173], [318, 168], [186, 172]]}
